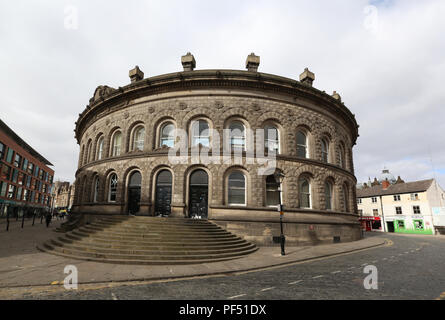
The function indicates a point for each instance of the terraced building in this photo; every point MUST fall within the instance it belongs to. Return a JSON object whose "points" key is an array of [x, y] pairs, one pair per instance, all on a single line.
{"points": [[129, 137]]}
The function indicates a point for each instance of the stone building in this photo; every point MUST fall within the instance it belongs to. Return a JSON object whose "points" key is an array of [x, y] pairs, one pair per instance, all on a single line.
{"points": [[63, 195], [127, 137]]}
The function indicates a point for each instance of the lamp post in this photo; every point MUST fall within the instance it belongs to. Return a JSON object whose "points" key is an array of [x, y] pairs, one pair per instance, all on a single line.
{"points": [[279, 177]]}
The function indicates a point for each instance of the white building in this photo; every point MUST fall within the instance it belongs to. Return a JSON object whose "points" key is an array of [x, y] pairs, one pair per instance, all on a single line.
{"points": [[413, 207]]}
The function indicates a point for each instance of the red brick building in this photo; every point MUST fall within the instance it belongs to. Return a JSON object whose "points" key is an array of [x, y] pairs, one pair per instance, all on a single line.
{"points": [[25, 178]]}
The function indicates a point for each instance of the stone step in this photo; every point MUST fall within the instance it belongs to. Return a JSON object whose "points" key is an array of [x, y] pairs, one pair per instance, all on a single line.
{"points": [[155, 256], [150, 228], [143, 242], [149, 240], [167, 250], [154, 234]]}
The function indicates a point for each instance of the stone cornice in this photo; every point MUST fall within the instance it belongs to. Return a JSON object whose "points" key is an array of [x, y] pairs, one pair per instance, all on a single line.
{"points": [[212, 79]]}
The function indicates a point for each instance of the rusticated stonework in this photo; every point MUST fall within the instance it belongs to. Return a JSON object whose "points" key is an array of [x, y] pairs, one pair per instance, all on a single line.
{"points": [[219, 97]]}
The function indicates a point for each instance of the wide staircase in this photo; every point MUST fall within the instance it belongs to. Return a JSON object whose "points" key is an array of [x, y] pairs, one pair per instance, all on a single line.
{"points": [[149, 240]]}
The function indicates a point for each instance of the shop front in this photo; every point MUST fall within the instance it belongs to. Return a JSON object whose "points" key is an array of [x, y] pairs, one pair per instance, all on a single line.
{"points": [[371, 223]]}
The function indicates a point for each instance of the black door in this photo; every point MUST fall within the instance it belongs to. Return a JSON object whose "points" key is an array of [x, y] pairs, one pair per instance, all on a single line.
{"points": [[163, 193], [134, 193], [134, 198], [199, 189], [390, 225]]}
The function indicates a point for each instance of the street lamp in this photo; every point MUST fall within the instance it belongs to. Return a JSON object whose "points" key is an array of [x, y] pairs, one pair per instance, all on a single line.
{"points": [[279, 177]]}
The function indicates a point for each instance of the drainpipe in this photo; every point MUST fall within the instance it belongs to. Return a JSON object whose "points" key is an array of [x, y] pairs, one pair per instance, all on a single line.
{"points": [[383, 215]]}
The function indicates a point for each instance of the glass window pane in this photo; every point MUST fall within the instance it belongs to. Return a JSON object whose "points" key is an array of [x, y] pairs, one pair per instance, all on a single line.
{"points": [[237, 188]]}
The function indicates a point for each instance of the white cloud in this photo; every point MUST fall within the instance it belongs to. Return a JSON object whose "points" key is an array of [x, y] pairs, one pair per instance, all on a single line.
{"points": [[391, 79]]}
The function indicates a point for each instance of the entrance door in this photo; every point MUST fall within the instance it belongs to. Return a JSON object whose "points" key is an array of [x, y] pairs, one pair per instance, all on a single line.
{"points": [[390, 225], [163, 193], [199, 191], [134, 193]]}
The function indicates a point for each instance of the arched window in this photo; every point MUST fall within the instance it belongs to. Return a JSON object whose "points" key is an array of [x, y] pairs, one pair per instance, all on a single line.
{"points": [[138, 138], [328, 195], [237, 188], [116, 144], [272, 138], [273, 191], [341, 154], [305, 193], [345, 198], [302, 145], [100, 148], [167, 135], [95, 189], [237, 135], [112, 191], [324, 150], [200, 133], [88, 158]]}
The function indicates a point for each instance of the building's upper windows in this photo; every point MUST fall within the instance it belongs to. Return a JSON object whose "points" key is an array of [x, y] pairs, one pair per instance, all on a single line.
{"points": [[302, 145], [41, 174], [397, 197], [2, 150], [237, 135], [25, 195], [139, 138], [399, 210], [200, 133], [21, 178], [6, 172], [272, 138], [237, 188], [9, 155], [100, 148], [25, 164], [324, 150], [416, 209], [30, 168], [167, 135], [116, 144], [15, 175], [18, 196], [341, 154], [17, 160], [414, 196], [374, 199], [359, 200], [36, 171]]}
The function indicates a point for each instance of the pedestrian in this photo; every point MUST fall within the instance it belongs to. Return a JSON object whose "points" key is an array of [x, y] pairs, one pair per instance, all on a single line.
{"points": [[48, 219]]}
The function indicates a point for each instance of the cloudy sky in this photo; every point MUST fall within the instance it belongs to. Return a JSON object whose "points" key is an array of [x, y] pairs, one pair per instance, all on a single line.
{"points": [[386, 59]]}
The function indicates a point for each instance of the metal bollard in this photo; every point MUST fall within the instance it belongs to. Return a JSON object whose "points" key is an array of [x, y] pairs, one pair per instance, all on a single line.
{"points": [[7, 221], [23, 219]]}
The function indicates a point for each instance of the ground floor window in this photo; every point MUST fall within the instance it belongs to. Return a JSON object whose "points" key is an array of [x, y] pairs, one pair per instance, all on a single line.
{"points": [[418, 224]]}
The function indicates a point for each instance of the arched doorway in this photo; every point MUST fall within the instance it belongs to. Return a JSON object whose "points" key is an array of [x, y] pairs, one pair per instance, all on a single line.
{"points": [[134, 192], [163, 193], [199, 191]]}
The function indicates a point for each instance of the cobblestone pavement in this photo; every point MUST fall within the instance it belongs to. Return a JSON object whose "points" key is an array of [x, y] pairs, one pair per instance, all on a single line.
{"points": [[410, 268]]}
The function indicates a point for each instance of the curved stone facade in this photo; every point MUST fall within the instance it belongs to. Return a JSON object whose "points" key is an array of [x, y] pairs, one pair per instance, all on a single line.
{"points": [[317, 210]]}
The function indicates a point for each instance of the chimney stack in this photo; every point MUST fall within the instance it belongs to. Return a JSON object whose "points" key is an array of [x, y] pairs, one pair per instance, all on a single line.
{"points": [[135, 74], [188, 62], [307, 77], [252, 62]]}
